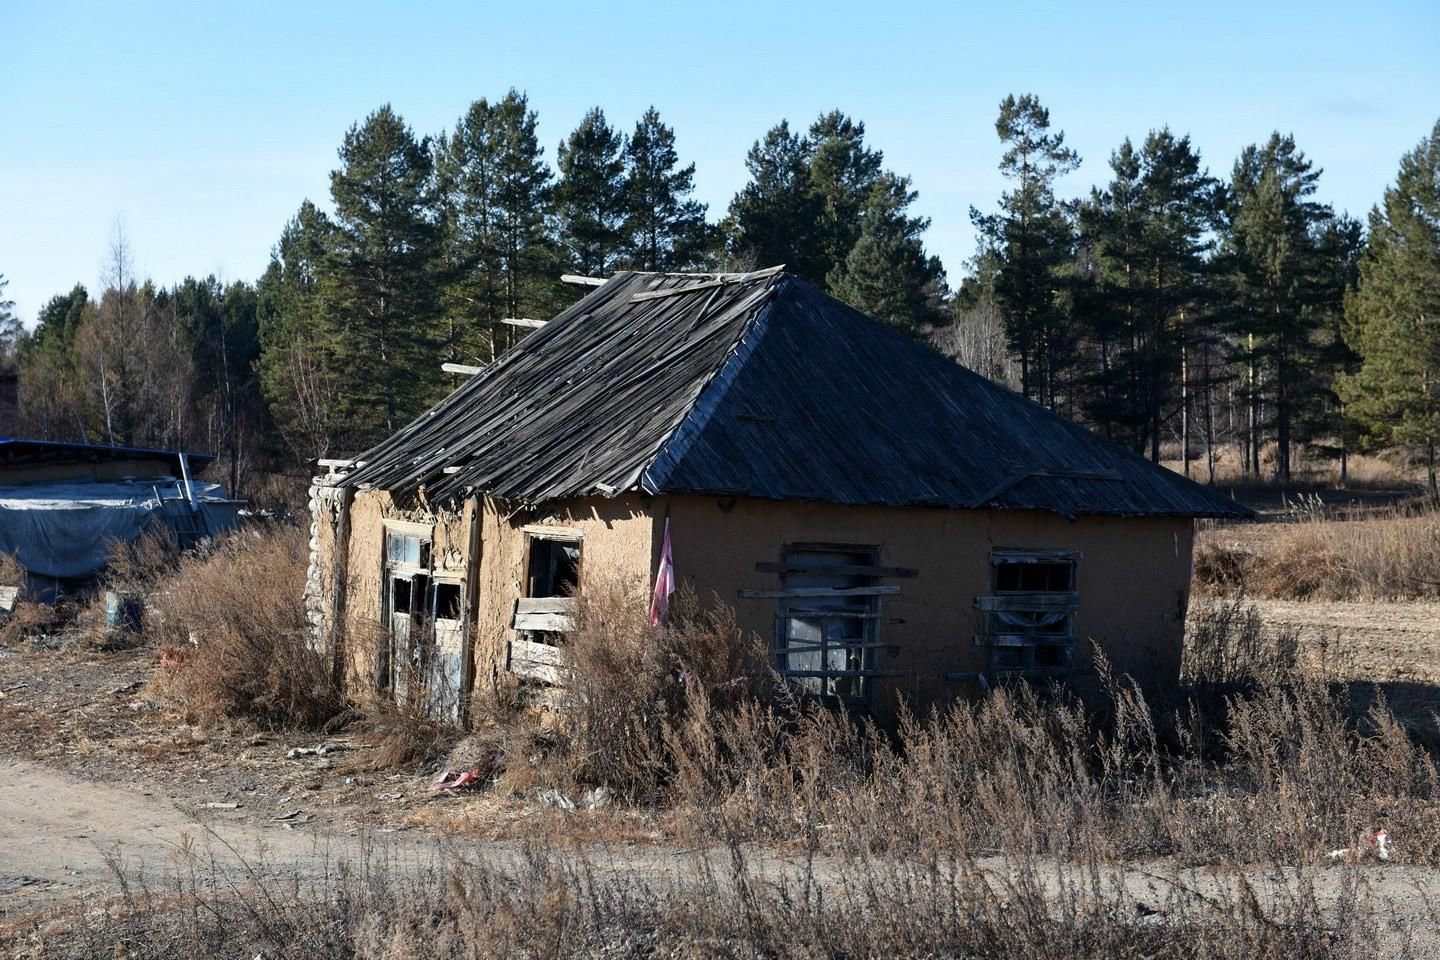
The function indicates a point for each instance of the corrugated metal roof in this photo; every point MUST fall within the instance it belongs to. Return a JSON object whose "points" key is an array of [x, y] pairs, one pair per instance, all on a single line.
{"points": [[759, 386], [22, 451]]}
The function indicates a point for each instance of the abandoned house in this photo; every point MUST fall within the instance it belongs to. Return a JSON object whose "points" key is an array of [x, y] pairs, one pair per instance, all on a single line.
{"points": [[895, 524], [64, 505]]}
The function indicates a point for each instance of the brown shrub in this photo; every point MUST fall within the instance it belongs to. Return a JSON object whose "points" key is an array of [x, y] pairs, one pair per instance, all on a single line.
{"points": [[136, 566], [1391, 555], [629, 684], [232, 633]]}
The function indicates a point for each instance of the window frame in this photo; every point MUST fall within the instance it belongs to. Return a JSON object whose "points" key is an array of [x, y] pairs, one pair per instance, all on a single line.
{"points": [[851, 684], [1015, 650]]}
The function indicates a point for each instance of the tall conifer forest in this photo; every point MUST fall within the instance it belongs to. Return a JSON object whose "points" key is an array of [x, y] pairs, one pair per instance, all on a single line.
{"points": [[1192, 308]]}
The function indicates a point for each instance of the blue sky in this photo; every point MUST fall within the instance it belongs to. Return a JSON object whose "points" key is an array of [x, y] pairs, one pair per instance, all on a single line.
{"points": [[202, 126]]}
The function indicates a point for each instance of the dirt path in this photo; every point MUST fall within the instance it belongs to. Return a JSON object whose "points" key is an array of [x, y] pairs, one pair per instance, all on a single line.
{"points": [[60, 839], [59, 834]]}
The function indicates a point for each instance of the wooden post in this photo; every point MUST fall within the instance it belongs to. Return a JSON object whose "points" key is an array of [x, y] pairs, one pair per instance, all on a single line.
{"points": [[467, 620], [340, 572]]}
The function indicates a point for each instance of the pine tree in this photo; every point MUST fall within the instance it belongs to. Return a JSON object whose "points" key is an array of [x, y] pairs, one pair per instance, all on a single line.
{"points": [[529, 278], [299, 367], [225, 345], [590, 197], [843, 174], [1270, 267], [774, 218], [664, 227], [12, 331], [887, 273], [50, 406], [1032, 236], [386, 262], [466, 169], [1393, 316], [1148, 236]]}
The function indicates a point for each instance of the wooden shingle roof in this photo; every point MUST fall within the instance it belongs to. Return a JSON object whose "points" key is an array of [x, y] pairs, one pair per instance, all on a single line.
{"points": [[758, 385]]}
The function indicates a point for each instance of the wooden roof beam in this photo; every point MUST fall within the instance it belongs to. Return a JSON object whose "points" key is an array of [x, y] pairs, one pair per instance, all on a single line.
{"points": [[467, 369], [525, 322], [583, 281]]}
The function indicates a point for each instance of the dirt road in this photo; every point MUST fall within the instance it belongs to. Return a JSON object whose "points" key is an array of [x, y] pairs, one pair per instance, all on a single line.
{"points": [[61, 838], [59, 834]]}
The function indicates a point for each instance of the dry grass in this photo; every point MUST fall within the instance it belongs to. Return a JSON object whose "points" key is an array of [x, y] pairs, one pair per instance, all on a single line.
{"points": [[1254, 760], [634, 687], [1227, 642], [1392, 470], [559, 903], [1390, 555], [232, 636]]}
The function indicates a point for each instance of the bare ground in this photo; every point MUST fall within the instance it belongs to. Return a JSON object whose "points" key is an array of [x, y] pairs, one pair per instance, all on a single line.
{"points": [[1380, 642]]}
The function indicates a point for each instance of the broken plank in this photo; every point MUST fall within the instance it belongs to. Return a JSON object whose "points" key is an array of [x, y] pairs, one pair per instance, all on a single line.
{"points": [[838, 569], [583, 281], [565, 605], [812, 592], [536, 661], [1029, 602], [537, 653], [525, 322], [826, 674], [467, 369], [544, 622], [1025, 640], [723, 280]]}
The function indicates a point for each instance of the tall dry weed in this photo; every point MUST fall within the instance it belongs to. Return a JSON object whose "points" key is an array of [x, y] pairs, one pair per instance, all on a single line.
{"points": [[232, 634], [630, 684]]}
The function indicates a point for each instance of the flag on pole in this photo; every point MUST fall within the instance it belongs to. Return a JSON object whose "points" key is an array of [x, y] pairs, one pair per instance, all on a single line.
{"points": [[664, 582]]}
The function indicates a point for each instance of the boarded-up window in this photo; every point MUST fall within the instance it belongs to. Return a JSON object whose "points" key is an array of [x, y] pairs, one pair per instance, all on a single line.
{"points": [[547, 611], [827, 629], [1029, 619]]}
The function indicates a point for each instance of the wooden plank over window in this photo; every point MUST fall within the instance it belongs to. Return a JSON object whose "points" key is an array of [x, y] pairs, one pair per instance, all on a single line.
{"points": [[548, 614], [813, 592], [536, 661], [838, 569], [1028, 602]]}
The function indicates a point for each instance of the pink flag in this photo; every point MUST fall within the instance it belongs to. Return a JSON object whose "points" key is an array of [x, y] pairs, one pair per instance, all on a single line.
{"points": [[664, 582]]}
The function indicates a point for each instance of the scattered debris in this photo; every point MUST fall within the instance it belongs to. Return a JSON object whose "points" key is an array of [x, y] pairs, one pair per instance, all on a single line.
{"points": [[1377, 844], [466, 778], [595, 799], [324, 750], [222, 806], [388, 797], [287, 816], [555, 798]]}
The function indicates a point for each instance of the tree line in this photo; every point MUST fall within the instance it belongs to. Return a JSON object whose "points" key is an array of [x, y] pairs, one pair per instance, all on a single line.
{"points": [[1167, 308], [1173, 306]]}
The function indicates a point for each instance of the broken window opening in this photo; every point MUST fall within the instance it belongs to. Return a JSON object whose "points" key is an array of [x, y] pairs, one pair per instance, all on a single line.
{"points": [[554, 568], [1029, 620], [825, 645], [447, 601], [547, 611]]}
